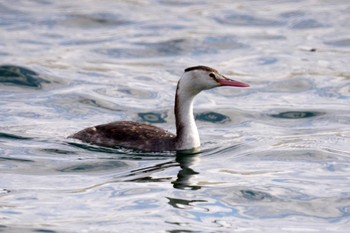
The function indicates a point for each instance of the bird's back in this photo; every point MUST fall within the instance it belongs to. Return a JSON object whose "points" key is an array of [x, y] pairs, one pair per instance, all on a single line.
{"points": [[128, 134]]}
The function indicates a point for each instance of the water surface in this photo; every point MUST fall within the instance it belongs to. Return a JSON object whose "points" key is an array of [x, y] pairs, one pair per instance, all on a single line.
{"points": [[275, 156]]}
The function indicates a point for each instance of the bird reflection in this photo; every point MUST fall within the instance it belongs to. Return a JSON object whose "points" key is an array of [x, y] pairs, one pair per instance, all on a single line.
{"points": [[184, 176]]}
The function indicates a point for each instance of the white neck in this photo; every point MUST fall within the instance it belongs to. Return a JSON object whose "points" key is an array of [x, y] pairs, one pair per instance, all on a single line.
{"points": [[187, 134]]}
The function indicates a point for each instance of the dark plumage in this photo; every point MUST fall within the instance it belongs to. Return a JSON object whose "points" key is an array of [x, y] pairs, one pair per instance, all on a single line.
{"points": [[128, 134], [205, 68]]}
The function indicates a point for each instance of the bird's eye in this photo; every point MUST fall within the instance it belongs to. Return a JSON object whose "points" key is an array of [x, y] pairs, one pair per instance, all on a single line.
{"points": [[212, 75]]}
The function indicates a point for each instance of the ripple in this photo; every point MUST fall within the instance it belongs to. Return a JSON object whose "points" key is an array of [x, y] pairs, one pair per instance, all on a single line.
{"points": [[13, 136], [307, 24], [292, 14], [345, 91], [142, 93], [95, 166], [183, 203], [128, 153], [127, 52], [94, 148], [97, 103], [212, 117], [223, 42], [16, 159], [43, 230], [256, 195], [58, 151], [151, 49], [238, 19], [285, 203], [175, 47], [292, 85], [153, 117], [296, 114], [267, 60], [95, 20], [20, 76], [339, 42]]}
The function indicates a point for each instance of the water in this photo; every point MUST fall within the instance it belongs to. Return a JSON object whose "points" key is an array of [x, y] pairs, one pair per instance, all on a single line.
{"points": [[276, 156]]}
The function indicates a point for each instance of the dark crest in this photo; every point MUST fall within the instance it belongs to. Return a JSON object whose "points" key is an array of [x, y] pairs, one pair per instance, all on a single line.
{"points": [[205, 68]]}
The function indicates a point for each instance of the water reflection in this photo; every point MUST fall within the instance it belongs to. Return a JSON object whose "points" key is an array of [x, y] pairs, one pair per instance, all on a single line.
{"points": [[186, 173], [182, 203], [184, 159], [144, 174]]}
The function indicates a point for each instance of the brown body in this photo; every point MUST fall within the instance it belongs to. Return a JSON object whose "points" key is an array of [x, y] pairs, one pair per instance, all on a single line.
{"points": [[128, 134]]}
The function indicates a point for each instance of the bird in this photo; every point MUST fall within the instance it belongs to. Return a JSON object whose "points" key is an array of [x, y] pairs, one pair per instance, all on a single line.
{"points": [[149, 138]]}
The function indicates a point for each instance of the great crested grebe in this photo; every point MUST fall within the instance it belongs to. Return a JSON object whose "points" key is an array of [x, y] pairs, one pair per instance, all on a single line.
{"points": [[151, 138]]}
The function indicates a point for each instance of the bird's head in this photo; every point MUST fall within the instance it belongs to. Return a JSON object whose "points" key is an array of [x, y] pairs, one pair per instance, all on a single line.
{"points": [[198, 78]]}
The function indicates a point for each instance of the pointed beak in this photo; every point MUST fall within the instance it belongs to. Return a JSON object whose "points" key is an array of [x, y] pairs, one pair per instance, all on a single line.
{"points": [[232, 83]]}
